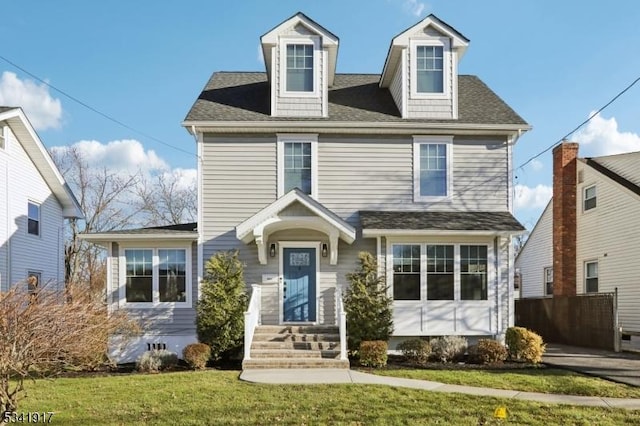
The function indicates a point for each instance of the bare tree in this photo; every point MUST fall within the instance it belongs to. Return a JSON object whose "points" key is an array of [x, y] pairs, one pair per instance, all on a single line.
{"points": [[107, 200], [166, 200], [42, 334]]}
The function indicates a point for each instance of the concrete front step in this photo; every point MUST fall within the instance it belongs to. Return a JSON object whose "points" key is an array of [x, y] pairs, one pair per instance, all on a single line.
{"points": [[294, 363], [316, 346], [297, 329], [294, 353]]}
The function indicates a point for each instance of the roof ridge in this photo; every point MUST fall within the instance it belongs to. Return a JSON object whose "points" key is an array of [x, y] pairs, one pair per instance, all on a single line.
{"points": [[613, 175]]}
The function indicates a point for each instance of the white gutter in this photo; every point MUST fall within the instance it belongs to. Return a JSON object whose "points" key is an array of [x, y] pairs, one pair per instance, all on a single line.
{"points": [[106, 237], [372, 233]]}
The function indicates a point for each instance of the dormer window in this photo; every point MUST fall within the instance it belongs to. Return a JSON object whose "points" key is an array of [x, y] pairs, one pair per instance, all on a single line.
{"points": [[299, 68], [430, 69]]}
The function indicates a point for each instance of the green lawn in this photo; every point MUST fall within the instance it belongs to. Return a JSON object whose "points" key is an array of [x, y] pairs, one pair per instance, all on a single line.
{"points": [[218, 397], [546, 380]]}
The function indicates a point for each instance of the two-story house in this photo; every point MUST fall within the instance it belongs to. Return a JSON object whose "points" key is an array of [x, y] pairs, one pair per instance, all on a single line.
{"points": [[34, 202], [586, 240], [300, 168]]}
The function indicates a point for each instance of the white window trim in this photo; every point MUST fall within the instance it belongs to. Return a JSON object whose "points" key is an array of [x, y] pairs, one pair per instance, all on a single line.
{"points": [[491, 273], [420, 140], [312, 40], [584, 198], [586, 262], [122, 284], [39, 234], [443, 42], [298, 137]]}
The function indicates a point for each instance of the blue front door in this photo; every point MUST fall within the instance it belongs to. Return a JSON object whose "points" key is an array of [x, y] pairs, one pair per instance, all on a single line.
{"points": [[299, 287]]}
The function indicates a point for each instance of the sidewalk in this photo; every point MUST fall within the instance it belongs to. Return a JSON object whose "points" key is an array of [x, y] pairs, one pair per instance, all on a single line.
{"points": [[621, 367], [335, 376]]}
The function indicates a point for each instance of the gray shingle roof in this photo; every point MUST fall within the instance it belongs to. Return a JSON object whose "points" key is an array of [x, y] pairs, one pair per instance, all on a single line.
{"points": [[440, 221], [245, 96], [183, 228], [6, 108]]}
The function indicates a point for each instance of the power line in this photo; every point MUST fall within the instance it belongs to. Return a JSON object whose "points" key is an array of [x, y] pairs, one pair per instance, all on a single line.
{"points": [[90, 108], [580, 125]]}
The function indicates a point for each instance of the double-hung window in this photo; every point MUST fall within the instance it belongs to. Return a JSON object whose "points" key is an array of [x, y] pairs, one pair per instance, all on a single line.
{"points": [[548, 281], [33, 218], [155, 275], [299, 73], [297, 163], [473, 272], [590, 200], [406, 272], [591, 277], [429, 69], [440, 278], [432, 168]]}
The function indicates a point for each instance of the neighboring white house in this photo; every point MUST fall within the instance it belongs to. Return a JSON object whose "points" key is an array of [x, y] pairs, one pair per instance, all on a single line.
{"points": [[301, 168], [600, 233], [34, 201]]}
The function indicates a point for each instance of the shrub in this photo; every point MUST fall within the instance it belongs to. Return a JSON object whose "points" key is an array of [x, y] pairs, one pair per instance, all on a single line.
{"points": [[220, 310], [367, 305], [524, 345], [156, 360], [373, 353], [197, 355], [415, 350], [448, 348], [487, 351]]}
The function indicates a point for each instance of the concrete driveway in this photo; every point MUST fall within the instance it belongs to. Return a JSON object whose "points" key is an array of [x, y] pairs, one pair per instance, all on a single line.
{"points": [[622, 367]]}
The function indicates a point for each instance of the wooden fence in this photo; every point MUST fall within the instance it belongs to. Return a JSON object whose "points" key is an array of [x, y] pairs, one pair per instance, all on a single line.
{"points": [[584, 320]]}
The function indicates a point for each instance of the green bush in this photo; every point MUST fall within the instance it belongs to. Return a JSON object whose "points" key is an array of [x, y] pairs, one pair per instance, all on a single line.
{"points": [[415, 350], [367, 305], [156, 360], [487, 351], [220, 310], [448, 348], [197, 355], [524, 345], [373, 353]]}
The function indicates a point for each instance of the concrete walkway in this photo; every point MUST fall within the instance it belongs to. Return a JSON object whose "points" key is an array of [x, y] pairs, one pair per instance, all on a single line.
{"points": [[334, 376]]}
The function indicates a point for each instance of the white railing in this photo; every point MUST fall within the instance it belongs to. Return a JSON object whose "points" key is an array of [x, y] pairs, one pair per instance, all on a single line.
{"points": [[341, 320], [252, 318]]}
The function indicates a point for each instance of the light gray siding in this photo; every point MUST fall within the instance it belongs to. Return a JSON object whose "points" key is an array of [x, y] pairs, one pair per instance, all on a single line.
{"points": [[536, 255], [396, 88], [436, 108]]}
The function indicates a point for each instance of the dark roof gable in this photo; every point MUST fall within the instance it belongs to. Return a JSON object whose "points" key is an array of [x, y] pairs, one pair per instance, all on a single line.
{"points": [[440, 221]]}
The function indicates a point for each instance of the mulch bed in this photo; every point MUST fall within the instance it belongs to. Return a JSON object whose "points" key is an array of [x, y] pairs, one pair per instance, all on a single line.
{"points": [[398, 362]]}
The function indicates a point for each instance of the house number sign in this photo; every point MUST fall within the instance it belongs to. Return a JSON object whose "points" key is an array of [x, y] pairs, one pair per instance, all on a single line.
{"points": [[299, 259]]}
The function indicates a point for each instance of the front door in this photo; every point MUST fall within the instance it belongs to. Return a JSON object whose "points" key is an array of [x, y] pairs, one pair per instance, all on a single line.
{"points": [[299, 284]]}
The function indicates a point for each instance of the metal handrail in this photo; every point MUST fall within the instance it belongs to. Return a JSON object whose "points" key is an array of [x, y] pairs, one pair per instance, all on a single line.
{"points": [[252, 318]]}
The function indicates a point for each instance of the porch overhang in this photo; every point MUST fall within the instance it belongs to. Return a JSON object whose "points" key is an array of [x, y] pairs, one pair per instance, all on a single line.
{"points": [[269, 220]]}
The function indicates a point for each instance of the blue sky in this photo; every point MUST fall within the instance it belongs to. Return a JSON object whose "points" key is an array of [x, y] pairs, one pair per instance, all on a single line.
{"points": [[145, 62]]}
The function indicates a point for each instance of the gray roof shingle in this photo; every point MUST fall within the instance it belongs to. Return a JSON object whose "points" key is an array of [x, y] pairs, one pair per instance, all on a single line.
{"points": [[183, 228], [245, 96], [440, 221]]}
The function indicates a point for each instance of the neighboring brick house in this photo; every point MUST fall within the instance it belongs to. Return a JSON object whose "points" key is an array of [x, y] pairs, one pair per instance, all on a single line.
{"points": [[587, 238], [301, 167], [34, 202]]}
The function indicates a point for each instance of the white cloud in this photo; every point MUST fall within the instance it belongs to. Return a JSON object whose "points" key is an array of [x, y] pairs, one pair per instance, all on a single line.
{"points": [[185, 178], [414, 7], [532, 198], [43, 111], [120, 155], [536, 165], [601, 137]]}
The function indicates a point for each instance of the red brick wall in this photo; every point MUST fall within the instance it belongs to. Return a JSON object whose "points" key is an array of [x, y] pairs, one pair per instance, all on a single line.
{"points": [[564, 218]]}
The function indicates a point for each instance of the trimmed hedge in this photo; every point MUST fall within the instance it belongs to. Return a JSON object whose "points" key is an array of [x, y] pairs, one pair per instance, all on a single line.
{"points": [[448, 348], [373, 353], [156, 360], [415, 350], [197, 355], [524, 345], [487, 351]]}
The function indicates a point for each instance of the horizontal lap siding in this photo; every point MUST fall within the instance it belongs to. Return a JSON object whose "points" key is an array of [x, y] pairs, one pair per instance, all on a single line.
{"points": [[536, 255], [396, 86], [610, 234]]}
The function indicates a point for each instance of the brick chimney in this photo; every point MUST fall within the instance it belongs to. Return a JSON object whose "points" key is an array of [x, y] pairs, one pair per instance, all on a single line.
{"points": [[565, 174]]}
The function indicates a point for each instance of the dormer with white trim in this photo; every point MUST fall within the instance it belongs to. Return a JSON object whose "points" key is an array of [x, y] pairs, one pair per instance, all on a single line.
{"points": [[421, 70], [300, 58]]}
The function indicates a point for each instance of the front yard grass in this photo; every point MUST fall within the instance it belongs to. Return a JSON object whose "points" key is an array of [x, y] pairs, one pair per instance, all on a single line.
{"points": [[218, 397], [545, 380]]}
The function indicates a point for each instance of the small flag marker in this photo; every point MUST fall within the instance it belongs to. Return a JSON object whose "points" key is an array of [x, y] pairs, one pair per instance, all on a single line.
{"points": [[500, 412]]}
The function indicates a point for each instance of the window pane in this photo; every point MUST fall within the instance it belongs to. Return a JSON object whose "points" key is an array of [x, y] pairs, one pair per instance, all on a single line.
{"points": [[433, 170], [440, 286], [299, 68], [473, 273], [429, 69], [440, 278], [406, 267], [297, 166], [592, 285], [33, 227], [139, 289], [406, 287], [34, 211], [172, 275], [139, 269]]}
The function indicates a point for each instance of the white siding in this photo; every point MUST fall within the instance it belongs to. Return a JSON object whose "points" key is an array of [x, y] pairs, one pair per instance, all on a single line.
{"points": [[396, 88], [536, 255], [21, 182], [610, 234]]}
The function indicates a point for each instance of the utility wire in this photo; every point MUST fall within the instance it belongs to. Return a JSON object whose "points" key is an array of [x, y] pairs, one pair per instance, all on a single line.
{"points": [[580, 125], [89, 107]]}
